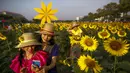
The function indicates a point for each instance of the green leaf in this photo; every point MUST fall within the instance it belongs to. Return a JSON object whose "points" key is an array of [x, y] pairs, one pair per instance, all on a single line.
{"points": [[124, 65], [104, 71], [106, 64], [122, 72], [77, 69]]}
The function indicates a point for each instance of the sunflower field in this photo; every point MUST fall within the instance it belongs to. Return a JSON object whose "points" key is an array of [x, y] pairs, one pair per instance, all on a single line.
{"points": [[102, 47]]}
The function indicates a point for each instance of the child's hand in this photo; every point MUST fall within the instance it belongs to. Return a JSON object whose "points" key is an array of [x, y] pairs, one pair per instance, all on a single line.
{"points": [[36, 69]]}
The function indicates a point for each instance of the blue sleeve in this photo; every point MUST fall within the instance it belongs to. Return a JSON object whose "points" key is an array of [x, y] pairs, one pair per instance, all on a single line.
{"points": [[55, 51]]}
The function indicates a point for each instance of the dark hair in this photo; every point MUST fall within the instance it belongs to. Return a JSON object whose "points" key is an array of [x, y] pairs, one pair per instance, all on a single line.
{"points": [[21, 52], [52, 41]]}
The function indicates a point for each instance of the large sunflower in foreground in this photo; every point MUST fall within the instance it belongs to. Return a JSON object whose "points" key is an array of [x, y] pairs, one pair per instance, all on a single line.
{"points": [[104, 34], [86, 63], [116, 47], [89, 43], [46, 14]]}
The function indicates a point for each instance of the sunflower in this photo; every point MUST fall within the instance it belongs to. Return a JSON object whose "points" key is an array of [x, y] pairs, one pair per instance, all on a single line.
{"points": [[104, 26], [109, 27], [85, 25], [99, 24], [121, 33], [91, 26], [73, 41], [76, 36], [104, 34], [116, 47], [89, 43], [2, 37], [86, 63], [61, 27], [119, 28], [128, 27], [78, 31], [64, 62], [95, 27], [113, 30], [125, 25], [45, 13], [21, 39], [113, 25]]}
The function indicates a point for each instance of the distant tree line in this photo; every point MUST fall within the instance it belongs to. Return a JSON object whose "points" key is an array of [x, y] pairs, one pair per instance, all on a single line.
{"points": [[111, 12]]}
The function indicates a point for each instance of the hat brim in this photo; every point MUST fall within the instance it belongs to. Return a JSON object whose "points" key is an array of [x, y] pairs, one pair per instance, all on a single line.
{"points": [[27, 44], [45, 32], [75, 26]]}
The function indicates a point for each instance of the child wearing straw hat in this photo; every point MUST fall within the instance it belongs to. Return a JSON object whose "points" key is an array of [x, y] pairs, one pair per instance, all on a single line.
{"points": [[76, 34], [28, 58], [75, 37]]}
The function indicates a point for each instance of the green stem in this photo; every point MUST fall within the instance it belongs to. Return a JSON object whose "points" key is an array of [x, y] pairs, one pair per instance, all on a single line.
{"points": [[8, 44], [90, 53], [115, 64], [92, 71]]}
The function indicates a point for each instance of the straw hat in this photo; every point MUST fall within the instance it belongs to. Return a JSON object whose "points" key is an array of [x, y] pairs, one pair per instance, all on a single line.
{"points": [[47, 29], [74, 25], [29, 40]]}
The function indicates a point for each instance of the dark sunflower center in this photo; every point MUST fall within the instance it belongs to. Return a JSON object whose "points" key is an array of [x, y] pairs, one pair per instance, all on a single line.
{"points": [[90, 63], [104, 34], [115, 45], [89, 42], [121, 32], [85, 26]]}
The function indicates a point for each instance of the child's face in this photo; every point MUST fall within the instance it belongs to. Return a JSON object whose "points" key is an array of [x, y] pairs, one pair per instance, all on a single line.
{"points": [[75, 28], [29, 49]]}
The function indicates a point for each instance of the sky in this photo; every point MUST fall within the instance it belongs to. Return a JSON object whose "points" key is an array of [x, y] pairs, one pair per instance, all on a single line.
{"points": [[67, 9]]}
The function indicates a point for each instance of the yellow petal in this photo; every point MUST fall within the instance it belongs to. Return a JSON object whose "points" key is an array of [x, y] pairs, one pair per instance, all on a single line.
{"points": [[53, 17], [2, 37], [49, 6], [53, 11], [43, 20], [39, 16], [39, 10], [48, 20], [43, 6], [86, 70], [95, 71]]}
